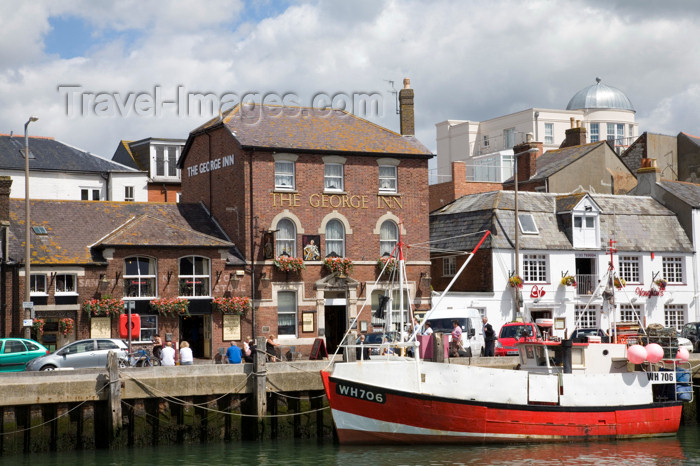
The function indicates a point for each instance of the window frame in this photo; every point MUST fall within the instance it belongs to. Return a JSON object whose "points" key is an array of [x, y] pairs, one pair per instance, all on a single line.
{"points": [[327, 177], [279, 174], [394, 178], [66, 292], [630, 268], [147, 331], [140, 277], [535, 268], [671, 276], [536, 230], [549, 133], [129, 194], [384, 249], [291, 241], [281, 312], [590, 315], [34, 288], [675, 313], [340, 240], [194, 276], [631, 310], [165, 162], [449, 266], [595, 131]]}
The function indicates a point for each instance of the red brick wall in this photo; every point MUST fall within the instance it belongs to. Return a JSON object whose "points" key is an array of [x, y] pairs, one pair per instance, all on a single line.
{"points": [[444, 193], [158, 193], [478, 276]]}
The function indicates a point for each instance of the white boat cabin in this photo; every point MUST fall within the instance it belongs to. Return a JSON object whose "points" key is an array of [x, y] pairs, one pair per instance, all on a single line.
{"points": [[547, 357]]}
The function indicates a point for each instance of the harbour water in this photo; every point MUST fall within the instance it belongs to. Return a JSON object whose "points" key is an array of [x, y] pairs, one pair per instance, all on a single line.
{"points": [[683, 449]]}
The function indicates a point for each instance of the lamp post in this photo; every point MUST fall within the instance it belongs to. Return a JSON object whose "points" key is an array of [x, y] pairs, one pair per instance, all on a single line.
{"points": [[27, 255]]}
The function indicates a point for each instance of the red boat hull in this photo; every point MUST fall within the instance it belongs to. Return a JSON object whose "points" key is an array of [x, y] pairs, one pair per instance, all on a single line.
{"points": [[366, 414]]}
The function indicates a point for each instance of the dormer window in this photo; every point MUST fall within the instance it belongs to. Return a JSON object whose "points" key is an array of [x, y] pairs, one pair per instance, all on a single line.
{"points": [[166, 161], [585, 222]]}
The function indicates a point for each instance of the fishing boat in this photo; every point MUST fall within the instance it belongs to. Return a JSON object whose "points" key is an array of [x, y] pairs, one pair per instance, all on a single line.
{"points": [[561, 391]]}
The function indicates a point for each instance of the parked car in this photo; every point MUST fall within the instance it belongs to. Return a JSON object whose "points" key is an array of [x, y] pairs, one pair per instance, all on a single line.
{"points": [[511, 333], [580, 335], [685, 343], [691, 331], [81, 354], [16, 352]]}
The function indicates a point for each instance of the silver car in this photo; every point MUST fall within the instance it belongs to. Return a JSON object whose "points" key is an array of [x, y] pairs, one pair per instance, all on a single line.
{"points": [[81, 354]]}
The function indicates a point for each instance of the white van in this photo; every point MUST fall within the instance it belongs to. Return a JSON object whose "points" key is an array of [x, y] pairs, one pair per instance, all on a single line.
{"points": [[469, 319]]}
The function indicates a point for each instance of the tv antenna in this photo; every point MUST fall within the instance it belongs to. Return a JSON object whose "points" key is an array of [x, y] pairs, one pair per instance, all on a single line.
{"points": [[395, 92]]}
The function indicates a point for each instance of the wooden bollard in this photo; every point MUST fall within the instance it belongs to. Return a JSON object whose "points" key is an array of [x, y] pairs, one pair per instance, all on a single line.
{"points": [[260, 372], [114, 395]]}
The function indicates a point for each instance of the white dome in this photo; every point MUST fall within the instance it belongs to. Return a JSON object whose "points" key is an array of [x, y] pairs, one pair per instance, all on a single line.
{"points": [[600, 96]]}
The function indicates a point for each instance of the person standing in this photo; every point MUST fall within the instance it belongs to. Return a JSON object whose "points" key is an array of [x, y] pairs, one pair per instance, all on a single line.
{"points": [[157, 346], [167, 355], [247, 350], [271, 347], [233, 354], [489, 337], [427, 329], [186, 357], [456, 339], [362, 352]]}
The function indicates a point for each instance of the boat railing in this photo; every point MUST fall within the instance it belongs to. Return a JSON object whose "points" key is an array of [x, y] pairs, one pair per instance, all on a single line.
{"points": [[394, 348]]}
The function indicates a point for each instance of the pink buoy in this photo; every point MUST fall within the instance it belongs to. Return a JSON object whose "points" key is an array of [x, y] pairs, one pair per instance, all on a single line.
{"points": [[636, 354], [682, 354], [655, 353]]}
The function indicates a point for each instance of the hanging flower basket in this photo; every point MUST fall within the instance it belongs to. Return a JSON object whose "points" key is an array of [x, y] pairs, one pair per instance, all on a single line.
{"points": [[65, 326], [38, 326], [390, 262], [515, 281], [237, 305], [106, 307], [661, 283], [339, 265], [289, 264], [171, 306], [568, 280], [619, 283]]}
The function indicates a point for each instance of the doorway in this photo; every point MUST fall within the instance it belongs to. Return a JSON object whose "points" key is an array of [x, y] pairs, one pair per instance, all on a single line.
{"points": [[192, 331], [586, 278], [335, 326]]}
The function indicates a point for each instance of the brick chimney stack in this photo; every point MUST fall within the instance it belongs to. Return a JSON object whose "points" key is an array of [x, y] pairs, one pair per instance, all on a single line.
{"points": [[575, 136], [647, 177], [527, 163], [408, 127], [5, 185]]}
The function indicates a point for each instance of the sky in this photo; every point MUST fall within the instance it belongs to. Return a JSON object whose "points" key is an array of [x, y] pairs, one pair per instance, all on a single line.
{"points": [[95, 73]]}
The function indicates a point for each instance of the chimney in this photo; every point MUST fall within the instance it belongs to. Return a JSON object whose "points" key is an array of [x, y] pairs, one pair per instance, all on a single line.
{"points": [[647, 177], [408, 127], [527, 160], [5, 185], [575, 136]]}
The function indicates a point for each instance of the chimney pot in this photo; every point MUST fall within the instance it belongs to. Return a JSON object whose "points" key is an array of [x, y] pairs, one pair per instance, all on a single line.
{"points": [[572, 121], [406, 83]]}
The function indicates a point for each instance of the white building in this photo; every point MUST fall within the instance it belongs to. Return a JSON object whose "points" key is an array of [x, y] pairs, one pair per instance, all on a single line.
{"points": [[561, 236], [604, 111], [60, 171]]}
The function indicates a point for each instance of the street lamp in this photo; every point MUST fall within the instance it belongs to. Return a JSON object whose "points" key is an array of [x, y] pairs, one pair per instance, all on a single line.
{"points": [[27, 257]]}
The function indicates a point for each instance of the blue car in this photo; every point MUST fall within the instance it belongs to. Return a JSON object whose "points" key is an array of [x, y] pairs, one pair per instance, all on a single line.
{"points": [[16, 352]]}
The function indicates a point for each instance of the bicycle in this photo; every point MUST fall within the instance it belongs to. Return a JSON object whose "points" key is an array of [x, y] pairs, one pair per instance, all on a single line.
{"points": [[142, 358]]}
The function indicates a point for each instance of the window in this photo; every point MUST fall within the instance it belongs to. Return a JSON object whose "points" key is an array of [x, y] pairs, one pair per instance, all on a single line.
{"points": [[286, 238], [486, 140], [334, 177], [39, 230], [194, 276], [509, 138], [549, 133], [586, 222], [673, 269], [335, 239], [388, 238], [616, 133], [674, 316], [129, 193], [287, 313], [149, 327], [629, 313], [14, 346], [37, 284], [166, 161], [527, 224], [449, 266], [387, 179], [534, 268], [139, 277], [85, 194], [586, 318], [595, 132], [395, 304], [65, 283], [284, 174], [629, 268]]}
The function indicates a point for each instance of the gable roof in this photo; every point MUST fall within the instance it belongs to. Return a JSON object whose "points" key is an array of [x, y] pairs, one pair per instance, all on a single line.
{"points": [[314, 130], [52, 155], [683, 190], [113, 224], [637, 223], [552, 161]]}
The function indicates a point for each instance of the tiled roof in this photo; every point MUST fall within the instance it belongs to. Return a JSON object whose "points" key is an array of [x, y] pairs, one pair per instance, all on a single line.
{"points": [[52, 155], [686, 192], [567, 202], [694, 139], [311, 129], [637, 223], [73, 226]]}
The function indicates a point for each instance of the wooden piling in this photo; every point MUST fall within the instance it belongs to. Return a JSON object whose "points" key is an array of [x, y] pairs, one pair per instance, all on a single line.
{"points": [[114, 397], [260, 372]]}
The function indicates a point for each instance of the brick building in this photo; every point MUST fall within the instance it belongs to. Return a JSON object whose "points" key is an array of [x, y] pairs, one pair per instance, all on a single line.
{"points": [[289, 182]]}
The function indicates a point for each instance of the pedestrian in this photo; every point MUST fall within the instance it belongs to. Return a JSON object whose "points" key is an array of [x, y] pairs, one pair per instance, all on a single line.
{"points": [[489, 337], [416, 326], [362, 352], [271, 347], [167, 355], [186, 357], [157, 346], [233, 353], [247, 350], [456, 339], [428, 329]]}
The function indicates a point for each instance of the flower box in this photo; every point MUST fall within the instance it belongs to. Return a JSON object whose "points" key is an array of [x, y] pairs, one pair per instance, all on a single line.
{"points": [[237, 305], [105, 307], [390, 262], [515, 281], [568, 280], [339, 265], [289, 264], [171, 306], [65, 326]]}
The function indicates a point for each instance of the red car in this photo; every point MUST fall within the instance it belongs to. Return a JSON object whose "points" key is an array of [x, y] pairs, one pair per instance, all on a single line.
{"points": [[513, 332]]}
